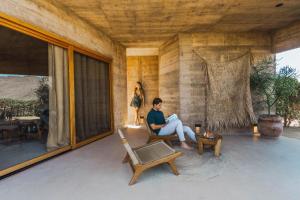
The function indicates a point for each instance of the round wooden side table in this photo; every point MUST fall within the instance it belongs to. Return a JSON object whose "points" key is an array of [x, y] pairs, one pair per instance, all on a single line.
{"points": [[214, 143]]}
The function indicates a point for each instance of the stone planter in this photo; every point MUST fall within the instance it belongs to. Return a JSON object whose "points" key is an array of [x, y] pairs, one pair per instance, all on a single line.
{"points": [[270, 125]]}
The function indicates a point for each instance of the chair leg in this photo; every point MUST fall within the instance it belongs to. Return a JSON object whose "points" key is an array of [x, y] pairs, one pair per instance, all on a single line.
{"points": [[169, 142], [173, 167], [149, 140], [200, 147], [131, 166], [126, 158], [135, 176], [218, 148]]}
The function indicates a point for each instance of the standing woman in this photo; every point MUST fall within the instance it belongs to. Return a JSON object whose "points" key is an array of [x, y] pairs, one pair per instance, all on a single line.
{"points": [[137, 100]]}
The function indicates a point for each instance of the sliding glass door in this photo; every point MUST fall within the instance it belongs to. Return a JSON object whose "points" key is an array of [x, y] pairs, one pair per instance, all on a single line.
{"points": [[52, 98], [34, 98], [92, 97]]}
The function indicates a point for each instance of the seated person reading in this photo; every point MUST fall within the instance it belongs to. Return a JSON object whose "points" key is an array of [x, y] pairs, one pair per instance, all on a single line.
{"points": [[157, 123]]}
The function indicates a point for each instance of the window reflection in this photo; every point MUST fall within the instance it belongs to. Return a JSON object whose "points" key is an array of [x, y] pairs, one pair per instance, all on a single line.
{"points": [[30, 86]]}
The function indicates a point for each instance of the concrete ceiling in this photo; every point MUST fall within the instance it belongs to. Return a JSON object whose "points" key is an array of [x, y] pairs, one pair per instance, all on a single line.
{"points": [[149, 23]]}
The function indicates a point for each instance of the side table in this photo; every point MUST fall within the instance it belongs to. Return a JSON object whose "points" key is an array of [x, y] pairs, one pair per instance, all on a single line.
{"points": [[214, 143]]}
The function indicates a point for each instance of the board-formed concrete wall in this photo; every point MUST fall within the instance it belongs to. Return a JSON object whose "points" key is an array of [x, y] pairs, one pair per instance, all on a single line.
{"points": [[119, 86], [64, 23], [169, 76], [287, 38], [191, 77], [145, 70]]}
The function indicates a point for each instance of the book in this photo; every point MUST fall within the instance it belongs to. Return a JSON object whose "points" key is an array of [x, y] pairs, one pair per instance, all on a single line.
{"points": [[171, 118]]}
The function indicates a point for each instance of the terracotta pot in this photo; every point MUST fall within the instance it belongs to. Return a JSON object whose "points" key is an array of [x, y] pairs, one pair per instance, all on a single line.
{"points": [[270, 125]]}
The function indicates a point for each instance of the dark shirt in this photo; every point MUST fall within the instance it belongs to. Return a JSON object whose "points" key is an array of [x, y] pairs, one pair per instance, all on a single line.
{"points": [[136, 101], [155, 117]]}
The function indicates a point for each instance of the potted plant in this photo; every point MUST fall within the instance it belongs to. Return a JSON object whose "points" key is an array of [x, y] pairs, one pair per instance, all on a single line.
{"points": [[272, 88], [288, 108]]}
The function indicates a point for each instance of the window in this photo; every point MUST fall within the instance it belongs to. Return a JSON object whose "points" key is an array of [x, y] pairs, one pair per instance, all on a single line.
{"points": [[36, 121], [34, 104]]}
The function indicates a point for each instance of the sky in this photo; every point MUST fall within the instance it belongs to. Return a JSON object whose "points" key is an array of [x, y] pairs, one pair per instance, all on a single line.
{"points": [[291, 58]]}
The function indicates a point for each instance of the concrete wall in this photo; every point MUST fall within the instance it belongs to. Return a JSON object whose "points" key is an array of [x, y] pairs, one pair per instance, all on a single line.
{"points": [[119, 86], [191, 77], [145, 70], [287, 38], [64, 23], [169, 76]]}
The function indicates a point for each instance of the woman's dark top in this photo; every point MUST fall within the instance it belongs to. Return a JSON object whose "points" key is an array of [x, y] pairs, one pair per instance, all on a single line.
{"points": [[136, 101], [155, 117]]}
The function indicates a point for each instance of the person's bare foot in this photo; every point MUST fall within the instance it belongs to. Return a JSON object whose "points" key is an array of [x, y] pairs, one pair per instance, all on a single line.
{"points": [[184, 145]]}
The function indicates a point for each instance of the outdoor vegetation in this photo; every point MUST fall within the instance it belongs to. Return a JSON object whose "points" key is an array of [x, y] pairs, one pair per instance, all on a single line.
{"points": [[279, 91], [18, 108]]}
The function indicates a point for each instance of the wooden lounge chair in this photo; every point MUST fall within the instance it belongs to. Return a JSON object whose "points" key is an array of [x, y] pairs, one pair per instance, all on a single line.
{"points": [[166, 138], [148, 156]]}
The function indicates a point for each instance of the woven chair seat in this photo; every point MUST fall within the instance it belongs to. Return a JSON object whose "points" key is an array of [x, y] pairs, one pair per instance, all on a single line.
{"points": [[152, 152]]}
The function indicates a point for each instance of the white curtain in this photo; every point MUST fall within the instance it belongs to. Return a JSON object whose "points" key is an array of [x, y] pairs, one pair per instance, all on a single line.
{"points": [[58, 135]]}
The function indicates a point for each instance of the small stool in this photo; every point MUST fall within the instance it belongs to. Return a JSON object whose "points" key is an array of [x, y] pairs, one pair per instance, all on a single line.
{"points": [[214, 143]]}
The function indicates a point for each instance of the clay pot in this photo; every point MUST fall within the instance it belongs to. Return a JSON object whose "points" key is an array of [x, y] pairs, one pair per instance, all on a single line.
{"points": [[270, 125]]}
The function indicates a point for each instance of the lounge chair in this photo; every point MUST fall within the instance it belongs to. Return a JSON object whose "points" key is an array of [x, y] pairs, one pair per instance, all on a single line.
{"points": [[166, 138], [148, 156]]}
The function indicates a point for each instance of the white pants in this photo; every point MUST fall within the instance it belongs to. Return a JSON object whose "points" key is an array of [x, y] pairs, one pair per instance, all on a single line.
{"points": [[177, 126]]}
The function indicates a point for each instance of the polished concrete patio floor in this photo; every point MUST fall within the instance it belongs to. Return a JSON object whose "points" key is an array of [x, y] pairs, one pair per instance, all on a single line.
{"points": [[292, 132], [249, 168]]}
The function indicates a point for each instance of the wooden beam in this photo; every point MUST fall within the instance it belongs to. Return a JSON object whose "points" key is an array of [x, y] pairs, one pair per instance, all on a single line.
{"points": [[141, 51]]}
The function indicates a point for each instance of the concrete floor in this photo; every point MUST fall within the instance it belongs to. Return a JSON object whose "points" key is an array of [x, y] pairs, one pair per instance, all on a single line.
{"points": [[249, 168], [292, 132]]}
